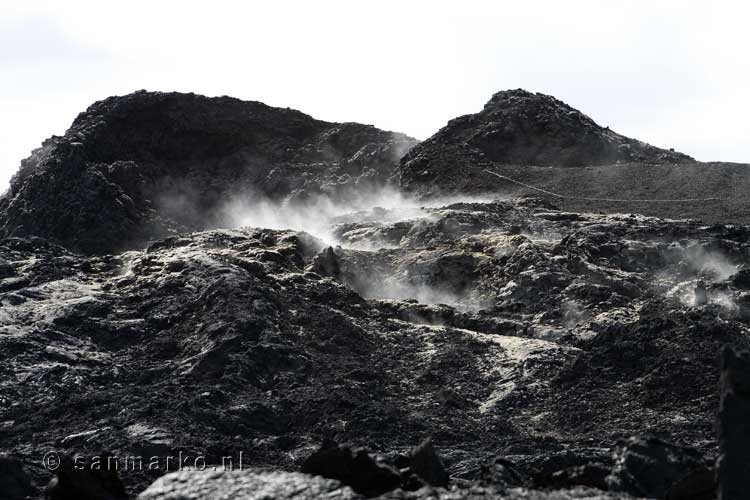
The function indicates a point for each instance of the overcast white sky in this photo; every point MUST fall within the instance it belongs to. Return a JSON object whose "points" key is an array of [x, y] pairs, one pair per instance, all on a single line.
{"points": [[674, 74]]}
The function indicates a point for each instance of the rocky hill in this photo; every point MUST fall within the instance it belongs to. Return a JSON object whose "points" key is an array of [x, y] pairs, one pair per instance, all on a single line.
{"points": [[523, 128], [548, 354], [146, 165], [529, 138]]}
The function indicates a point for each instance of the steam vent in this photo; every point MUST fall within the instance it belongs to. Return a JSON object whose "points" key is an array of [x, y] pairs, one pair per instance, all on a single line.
{"points": [[231, 300]]}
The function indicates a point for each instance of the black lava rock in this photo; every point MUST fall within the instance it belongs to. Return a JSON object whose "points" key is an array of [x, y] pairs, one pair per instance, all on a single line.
{"points": [[85, 480], [517, 127], [424, 462], [353, 467], [142, 166], [651, 468], [15, 482], [734, 425]]}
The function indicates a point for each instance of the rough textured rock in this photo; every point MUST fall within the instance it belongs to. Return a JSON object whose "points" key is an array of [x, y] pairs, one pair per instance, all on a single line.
{"points": [[540, 141], [150, 164], [354, 468], [654, 469], [525, 338], [212, 485], [15, 482], [517, 127], [734, 425], [85, 480], [522, 127], [534, 332], [215, 485], [424, 462]]}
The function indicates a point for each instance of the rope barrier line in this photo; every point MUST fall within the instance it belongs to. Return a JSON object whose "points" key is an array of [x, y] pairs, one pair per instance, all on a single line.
{"points": [[584, 198]]}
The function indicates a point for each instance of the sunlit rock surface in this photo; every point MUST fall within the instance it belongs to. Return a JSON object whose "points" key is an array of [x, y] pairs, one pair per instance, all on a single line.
{"points": [[294, 486]]}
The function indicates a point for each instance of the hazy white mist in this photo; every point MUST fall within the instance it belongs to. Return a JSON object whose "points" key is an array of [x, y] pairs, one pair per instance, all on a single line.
{"points": [[674, 73]]}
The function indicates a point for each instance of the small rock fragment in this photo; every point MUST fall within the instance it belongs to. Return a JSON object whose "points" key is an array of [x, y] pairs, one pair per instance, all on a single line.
{"points": [[15, 483], [81, 480], [353, 467], [326, 263], [651, 468], [425, 463]]}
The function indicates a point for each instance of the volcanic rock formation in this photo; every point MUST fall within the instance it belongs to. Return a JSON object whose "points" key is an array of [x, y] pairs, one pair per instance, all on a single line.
{"points": [[569, 336], [517, 127], [537, 140], [549, 354], [150, 164], [733, 465]]}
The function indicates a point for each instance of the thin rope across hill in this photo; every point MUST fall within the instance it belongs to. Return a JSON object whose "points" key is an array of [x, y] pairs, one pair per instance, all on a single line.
{"points": [[616, 200]]}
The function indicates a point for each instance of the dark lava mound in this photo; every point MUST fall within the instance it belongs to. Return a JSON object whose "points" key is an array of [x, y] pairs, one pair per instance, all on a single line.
{"points": [[522, 128], [151, 164], [537, 140]]}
